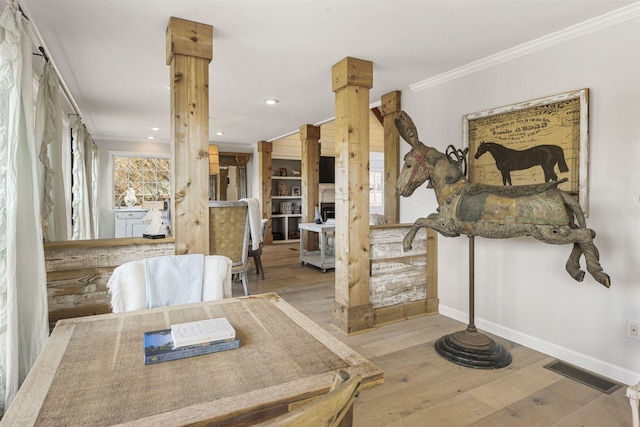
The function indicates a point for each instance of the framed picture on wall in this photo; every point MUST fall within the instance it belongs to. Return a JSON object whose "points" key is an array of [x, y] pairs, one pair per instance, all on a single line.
{"points": [[532, 142], [295, 191]]}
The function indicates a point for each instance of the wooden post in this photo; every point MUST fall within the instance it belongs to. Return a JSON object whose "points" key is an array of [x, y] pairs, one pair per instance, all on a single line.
{"points": [[390, 106], [265, 149], [214, 160], [223, 184], [310, 140], [189, 51], [352, 79], [433, 302]]}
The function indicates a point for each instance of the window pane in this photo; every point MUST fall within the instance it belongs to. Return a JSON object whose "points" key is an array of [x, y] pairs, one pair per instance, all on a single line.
{"points": [[149, 176], [150, 190], [150, 164]]}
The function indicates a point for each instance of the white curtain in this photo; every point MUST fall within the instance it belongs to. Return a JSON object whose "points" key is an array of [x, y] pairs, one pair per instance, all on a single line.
{"points": [[82, 215], [23, 288], [51, 173], [92, 160]]}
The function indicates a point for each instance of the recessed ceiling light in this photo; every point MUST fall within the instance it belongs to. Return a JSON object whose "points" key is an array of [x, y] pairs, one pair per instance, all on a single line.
{"points": [[155, 128], [219, 133], [271, 101], [151, 137]]}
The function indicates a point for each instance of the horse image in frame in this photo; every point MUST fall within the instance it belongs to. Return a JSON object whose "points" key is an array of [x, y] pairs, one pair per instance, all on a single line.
{"points": [[546, 156], [560, 120]]}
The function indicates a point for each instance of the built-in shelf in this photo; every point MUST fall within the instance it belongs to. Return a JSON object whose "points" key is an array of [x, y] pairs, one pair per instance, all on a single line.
{"points": [[287, 210]]}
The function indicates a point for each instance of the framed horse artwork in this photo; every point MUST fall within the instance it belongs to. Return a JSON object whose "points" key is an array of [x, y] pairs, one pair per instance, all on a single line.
{"points": [[532, 142]]}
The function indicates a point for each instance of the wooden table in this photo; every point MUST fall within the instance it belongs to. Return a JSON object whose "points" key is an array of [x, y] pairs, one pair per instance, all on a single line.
{"points": [[92, 371], [322, 258]]}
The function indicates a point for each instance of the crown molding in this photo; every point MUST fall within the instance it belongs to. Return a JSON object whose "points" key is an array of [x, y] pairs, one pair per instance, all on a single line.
{"points": [[587, 27]]}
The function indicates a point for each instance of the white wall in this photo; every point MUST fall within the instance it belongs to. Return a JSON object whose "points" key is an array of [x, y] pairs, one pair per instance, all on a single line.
{"points": [[522, 290]]}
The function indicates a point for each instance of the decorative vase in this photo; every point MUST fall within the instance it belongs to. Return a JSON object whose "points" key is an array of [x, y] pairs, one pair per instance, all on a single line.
{"points": [[317, 219], [130, 198]]}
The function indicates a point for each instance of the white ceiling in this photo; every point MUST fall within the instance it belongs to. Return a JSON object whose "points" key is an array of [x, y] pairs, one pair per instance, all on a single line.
{"points": [[111, 53]]}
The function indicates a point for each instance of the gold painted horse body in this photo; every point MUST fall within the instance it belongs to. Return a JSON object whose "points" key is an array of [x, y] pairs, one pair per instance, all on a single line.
{"points": [[540, 210]]}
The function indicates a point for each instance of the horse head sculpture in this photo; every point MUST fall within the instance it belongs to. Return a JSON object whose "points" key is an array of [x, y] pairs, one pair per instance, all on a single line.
{"points": [[422, 161], [542, 211]]}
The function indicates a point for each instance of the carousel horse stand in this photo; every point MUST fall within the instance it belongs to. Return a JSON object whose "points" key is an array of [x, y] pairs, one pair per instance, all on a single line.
{"points": [[469, 347]]}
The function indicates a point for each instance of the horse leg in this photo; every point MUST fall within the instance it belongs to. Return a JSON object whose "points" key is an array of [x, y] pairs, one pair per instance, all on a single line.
{"points": [[506, 176], [573, 263], [583, 238], [592, 257], [549, 173], [442, 226], [575, 207], [410, 236]]}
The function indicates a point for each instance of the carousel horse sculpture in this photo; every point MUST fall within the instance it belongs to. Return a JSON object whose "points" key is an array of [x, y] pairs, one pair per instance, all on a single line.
{"points": [[539, 210]]}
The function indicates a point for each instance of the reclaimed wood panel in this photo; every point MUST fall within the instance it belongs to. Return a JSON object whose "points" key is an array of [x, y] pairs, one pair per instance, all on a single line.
{"points": [[401, 284], [78, 272]]}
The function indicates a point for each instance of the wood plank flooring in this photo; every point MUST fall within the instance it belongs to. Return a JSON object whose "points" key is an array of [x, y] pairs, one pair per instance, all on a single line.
{"points": [[423, 389]]}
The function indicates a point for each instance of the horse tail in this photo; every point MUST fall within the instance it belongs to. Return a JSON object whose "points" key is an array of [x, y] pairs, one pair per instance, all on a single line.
{"points": [[562, 164], [574, 208]]}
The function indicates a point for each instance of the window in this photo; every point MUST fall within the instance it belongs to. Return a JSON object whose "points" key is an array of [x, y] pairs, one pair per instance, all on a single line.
{"points": [[148, 176]]}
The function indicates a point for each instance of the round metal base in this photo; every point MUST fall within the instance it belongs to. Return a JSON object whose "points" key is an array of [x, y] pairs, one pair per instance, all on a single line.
{"points": [[472, 349]]}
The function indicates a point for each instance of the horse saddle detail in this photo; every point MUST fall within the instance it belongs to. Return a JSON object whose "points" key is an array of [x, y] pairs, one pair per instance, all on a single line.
{"points": [[513, 190]]}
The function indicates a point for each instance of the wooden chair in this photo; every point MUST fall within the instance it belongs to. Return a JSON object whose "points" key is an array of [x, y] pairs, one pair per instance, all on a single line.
{"points": [[257, 253], [334, 409], [229, 235]]}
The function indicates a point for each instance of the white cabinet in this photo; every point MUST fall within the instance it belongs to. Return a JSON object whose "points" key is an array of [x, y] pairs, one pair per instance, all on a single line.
{"points": [[128, 222]]}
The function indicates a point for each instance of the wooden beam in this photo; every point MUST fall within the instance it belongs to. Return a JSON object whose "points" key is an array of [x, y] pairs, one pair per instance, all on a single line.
{"points": [[352, 311], [310, 171], [223, 184], [214, 160], [391, 108], [376, 112], [189, 51], [265, 149]]}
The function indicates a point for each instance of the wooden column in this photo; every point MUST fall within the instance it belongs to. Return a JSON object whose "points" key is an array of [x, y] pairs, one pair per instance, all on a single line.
{"points": [[351, 80], [189, 51], [310, 140], [223, 184], [390, 106], [265, 149]]}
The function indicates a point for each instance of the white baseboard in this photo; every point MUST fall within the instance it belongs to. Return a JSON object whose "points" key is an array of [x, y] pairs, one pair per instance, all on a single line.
{"points": [[589, 363]]}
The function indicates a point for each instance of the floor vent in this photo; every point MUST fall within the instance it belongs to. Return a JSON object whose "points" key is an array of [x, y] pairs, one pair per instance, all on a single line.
{"points": [[601, 384]]}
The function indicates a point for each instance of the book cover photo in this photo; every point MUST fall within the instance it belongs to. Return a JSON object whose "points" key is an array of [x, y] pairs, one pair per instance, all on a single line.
{"points": [[159, 347]]}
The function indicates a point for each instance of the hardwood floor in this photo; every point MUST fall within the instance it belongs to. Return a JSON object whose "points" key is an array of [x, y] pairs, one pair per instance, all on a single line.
{"points": [[423, 389]]}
